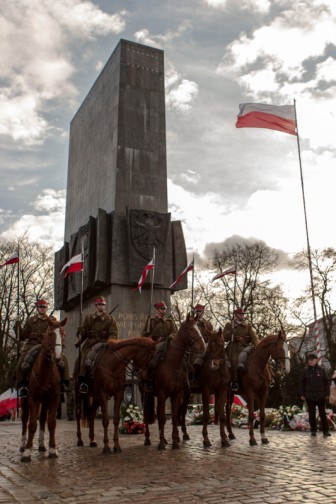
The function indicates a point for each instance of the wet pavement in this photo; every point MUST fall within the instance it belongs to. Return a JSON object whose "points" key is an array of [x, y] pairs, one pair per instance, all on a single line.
{"points": [[293, 467]]}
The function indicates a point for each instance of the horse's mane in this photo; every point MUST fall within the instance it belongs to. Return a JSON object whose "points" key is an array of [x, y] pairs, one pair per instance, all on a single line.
{"points": [[267, 339], [140, 341]]}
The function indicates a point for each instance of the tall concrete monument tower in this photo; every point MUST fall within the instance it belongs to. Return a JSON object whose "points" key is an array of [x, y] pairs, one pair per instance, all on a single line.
{"points": [[116, 203]]}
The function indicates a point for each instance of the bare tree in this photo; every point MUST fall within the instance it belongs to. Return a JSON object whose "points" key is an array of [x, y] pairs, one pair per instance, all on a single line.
{"points": [[21, 285]]}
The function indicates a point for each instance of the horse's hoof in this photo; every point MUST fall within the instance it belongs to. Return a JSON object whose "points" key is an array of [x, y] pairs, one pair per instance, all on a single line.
{"points": [[80, 443], [147, 442], [264, 441], [107, 450], [206, 443], [22, 449], [52, 455], [42, 448], [186, 437], [161, 446], [225, 443], [175, 446], [25, 459], [232, 436], [93, 444], [165, 441], [253, 442]]}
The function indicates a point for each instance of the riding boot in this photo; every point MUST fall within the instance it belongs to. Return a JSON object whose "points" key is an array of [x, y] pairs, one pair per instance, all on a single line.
{"points": [[83, 386], [234, 387], [23, 389]]}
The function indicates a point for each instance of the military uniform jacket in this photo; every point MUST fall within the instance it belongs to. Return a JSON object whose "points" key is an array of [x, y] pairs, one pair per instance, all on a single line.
{"points": [[159, 328], [243, 334], [98, 328], [34, 329], [204, 326], [314, 383]]}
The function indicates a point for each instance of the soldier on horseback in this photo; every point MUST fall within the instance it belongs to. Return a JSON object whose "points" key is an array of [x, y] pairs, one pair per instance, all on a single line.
{"points": [[98, 327], [240, 334], [160, 327], [32, 335], [203, 325]]}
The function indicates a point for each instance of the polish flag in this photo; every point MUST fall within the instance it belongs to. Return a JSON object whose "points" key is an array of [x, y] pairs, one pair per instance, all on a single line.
{"points": [[229, 271], [261, 115], [8, 401], [239, 401], [189, 267], [144, 274], [75, 264], [12, 260]]}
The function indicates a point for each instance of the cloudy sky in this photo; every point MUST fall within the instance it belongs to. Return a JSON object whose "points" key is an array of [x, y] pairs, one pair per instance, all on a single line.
{"points": [[223, 181]]}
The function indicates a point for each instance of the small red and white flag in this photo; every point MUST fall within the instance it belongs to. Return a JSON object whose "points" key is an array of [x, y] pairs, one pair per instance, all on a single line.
{"points": [[261, 115], [12, 260], [189, 267], [229, 271], [239, 400], [144, 274], [75, 264]]}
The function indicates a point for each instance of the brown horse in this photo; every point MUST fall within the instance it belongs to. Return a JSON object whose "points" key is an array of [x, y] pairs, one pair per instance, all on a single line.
{"points": [[108, 381], [213, 379], [255, 382], [169, 379], [44, 393]]}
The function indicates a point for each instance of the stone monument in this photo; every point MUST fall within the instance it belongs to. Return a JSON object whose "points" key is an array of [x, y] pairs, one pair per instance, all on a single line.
{"points": [[116, 204]]}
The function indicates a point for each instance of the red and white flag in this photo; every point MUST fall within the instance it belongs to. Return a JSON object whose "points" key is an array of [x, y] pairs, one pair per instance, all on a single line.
{"points": [[229, 271], [75, 264], [144, 274], [189, 267], [239, 400], [12, 260], [261, 115]]}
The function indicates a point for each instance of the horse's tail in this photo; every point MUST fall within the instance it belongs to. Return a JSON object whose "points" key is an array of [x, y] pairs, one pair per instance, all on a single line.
{"points": [[86, 403], [149, 409]]}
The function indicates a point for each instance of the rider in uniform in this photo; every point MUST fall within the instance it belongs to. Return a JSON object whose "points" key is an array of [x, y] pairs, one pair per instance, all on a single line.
{"points": [[98, 327], [32, 335], [240, 334], [203, 325], [159, 327]]}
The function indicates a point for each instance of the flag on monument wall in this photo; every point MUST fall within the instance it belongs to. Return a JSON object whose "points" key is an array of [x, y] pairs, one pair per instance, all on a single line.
{"points": [[189, 267], [75, 264], [144, 274], [229, 271], [12, 260], [261, 115]]}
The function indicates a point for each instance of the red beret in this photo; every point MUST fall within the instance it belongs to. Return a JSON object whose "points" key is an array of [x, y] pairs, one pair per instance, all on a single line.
{"points": [[199, 307], [161, 304], [239, 311], [41, 302], [100, 300]]}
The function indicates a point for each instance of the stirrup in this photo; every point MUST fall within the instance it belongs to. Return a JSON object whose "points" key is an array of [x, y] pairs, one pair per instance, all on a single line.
{"points": [[23, 392], [234, 387], [83, 388]]}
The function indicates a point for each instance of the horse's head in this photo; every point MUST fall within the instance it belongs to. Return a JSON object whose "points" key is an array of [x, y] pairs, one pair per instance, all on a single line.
{"points": [[215, 349], [190, 335], [54, 338], [279, 352]]}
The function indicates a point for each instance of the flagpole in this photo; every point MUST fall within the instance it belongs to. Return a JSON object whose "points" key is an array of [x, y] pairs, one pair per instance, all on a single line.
{"points": [[192, 287], [316, 329], [17, 327], [152, 284]]}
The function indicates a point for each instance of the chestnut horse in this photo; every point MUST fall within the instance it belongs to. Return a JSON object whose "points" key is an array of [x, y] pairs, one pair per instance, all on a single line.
{"points": [[169, 379], [214, 379], [44, 393], [255, 382], [109, 380]]}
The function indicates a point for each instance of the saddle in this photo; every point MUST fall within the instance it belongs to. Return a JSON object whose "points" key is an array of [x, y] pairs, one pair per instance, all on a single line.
{"points": [[93, 358], [30, 358]]}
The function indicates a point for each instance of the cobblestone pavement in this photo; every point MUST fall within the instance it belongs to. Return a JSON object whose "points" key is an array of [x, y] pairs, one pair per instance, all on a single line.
{"points": [[293, 467]]}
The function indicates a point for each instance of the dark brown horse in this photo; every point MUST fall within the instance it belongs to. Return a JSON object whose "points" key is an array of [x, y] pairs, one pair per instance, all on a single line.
{"points": [[109, 381], [254, 383], [213, 379], [44, 393], [169, 379]]}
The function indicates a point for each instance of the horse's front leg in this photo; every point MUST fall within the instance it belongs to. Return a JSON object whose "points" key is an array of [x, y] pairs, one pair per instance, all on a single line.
{"points": [[161, 413], [183, 412], [42, 422], [32, 426], [262, 403], [24, 421], [206, 416], [250, 405], [229, 401], [78, 412], [91, 419], [220, 405], [52, 430], [116, 419], [175, 402]]}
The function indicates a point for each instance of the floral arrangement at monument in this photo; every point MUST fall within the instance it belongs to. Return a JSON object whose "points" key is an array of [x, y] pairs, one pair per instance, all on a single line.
{"points": [[132, 420]]}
